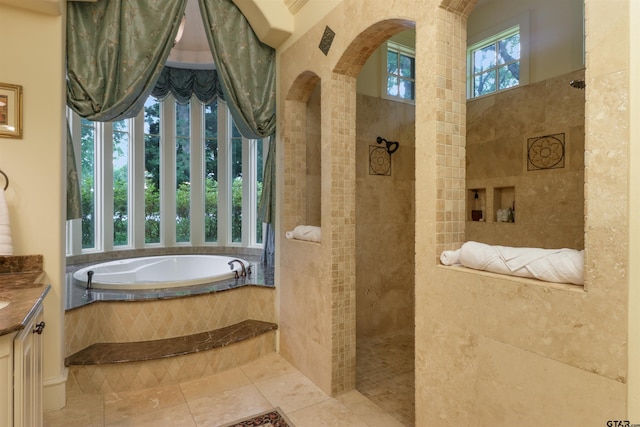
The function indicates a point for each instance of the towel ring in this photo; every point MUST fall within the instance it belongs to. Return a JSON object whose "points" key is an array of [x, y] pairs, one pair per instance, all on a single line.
{"points": [[6, 178]]}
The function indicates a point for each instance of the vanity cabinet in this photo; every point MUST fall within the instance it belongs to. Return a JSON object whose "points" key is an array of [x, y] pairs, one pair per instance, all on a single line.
{"points": [[6, 380], [27, 373], [21, 374]]}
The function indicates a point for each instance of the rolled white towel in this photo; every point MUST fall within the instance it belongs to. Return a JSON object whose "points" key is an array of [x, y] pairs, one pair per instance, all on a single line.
{"points": [[450, 257], [309, 233]]}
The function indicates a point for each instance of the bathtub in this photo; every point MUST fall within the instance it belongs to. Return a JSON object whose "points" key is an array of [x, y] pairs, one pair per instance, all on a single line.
{"points": [[160, 272]]}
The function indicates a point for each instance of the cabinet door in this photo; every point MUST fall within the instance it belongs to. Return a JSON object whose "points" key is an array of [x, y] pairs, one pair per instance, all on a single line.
{"points": [[27, 375], [6, 380]]}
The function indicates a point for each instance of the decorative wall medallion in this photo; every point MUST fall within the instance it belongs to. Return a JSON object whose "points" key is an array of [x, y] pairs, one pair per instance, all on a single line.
{"points": [[379, 161], [545, 152], [327, 39]]}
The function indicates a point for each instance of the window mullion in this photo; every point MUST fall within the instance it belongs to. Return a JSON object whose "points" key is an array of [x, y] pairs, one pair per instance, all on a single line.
{"points": [[104, 204], [136, 184], [224, 174], [248, 191], [196, 204], [168, 173]]}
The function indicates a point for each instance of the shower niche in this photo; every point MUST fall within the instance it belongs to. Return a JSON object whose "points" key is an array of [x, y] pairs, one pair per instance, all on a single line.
{"points": [[504, 204], [476, 202], [493, 205]]}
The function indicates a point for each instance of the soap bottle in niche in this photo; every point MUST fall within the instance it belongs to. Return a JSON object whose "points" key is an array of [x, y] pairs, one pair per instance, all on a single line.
{"points": [[476, 211]]}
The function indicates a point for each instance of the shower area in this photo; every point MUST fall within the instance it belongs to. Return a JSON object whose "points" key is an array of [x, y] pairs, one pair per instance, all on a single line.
{"points": [[372, 325], [385, 233]]}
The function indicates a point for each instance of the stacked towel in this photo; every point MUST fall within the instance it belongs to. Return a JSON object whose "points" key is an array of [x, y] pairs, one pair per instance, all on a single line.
{"points": [[305, 232], [6, 245]]}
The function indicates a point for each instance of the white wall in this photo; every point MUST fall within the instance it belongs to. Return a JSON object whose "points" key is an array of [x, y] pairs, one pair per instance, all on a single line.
{"points": [[33, 57]]}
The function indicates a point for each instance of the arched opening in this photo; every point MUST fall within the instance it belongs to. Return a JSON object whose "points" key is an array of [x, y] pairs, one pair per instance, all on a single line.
{"points": [[303, 171], [385, 220]]}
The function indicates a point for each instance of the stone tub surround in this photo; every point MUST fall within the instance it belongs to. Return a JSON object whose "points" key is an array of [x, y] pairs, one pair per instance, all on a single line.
{"points": [[106, 353], [162, 335], [21, 280], [131, 320]]}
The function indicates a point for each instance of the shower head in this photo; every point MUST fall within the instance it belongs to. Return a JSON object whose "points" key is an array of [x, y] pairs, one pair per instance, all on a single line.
{"points": [[577, 84]]}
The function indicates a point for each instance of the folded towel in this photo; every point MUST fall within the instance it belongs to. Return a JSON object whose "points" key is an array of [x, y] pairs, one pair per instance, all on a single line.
{"points": [[305, 232], [450, 257], [4, 210], [6, 244]]}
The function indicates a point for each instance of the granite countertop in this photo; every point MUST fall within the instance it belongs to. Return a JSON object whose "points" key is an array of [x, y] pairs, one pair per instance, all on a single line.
{"points": [[21, 283]]}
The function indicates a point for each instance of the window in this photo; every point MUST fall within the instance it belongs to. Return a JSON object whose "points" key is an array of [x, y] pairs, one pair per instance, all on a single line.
{"points": [[494, 63], [174, 175], [400, 69]]}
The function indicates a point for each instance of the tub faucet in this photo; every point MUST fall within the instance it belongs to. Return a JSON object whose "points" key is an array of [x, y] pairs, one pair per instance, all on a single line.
{"points": [[244, 270], [89, 278]]}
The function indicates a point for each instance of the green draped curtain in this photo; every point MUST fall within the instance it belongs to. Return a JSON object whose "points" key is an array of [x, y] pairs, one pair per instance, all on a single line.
{"points": [[247, 69], [74, 207], [182, 83], [245, 65], [115, 52]]}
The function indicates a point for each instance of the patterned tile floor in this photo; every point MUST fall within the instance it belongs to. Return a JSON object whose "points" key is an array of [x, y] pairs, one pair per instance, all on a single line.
{"points": [[385, 373], [218, 399]]}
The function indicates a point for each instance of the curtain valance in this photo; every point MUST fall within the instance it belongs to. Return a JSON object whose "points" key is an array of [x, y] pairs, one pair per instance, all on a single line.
{"points": [[183, 83]]}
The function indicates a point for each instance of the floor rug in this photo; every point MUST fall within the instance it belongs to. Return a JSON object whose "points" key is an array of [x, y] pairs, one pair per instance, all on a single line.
{"points": [[272, 418]]}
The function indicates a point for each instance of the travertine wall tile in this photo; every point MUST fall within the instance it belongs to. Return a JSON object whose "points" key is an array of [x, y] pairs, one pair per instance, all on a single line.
{"points": [[464, 321], [385, 219], [513, 386], [550, 202]]}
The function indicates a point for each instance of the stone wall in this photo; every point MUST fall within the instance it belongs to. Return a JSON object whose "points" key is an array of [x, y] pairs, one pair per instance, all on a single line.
{"points": [[526, 145]]}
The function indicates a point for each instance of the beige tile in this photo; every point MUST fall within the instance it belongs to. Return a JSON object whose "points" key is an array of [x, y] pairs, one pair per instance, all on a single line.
{"points": [[328, 413], [517, 387], [174, 416], [291, 392], [228, 406], [119, 407], [269, 366], [367, 411], [213, 384], [82, 410]]}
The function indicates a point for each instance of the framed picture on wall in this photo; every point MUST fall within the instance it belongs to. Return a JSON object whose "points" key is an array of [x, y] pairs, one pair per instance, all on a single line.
{"points": [[10, 111]]}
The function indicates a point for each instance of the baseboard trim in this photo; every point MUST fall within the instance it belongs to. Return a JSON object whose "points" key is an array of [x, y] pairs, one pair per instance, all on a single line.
{"points": [[54, 394]]}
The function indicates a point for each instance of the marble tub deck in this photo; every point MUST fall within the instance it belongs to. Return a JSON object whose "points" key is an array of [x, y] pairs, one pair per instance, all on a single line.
{"points": [[78, 295]]}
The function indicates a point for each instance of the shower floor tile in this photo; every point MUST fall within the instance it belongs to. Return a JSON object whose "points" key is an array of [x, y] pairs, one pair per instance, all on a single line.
{"points": [[385, 373]]}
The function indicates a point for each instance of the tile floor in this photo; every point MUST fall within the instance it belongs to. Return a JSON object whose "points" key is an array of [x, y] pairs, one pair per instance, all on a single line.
{"points": [[268, 382], [385, 373]]}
